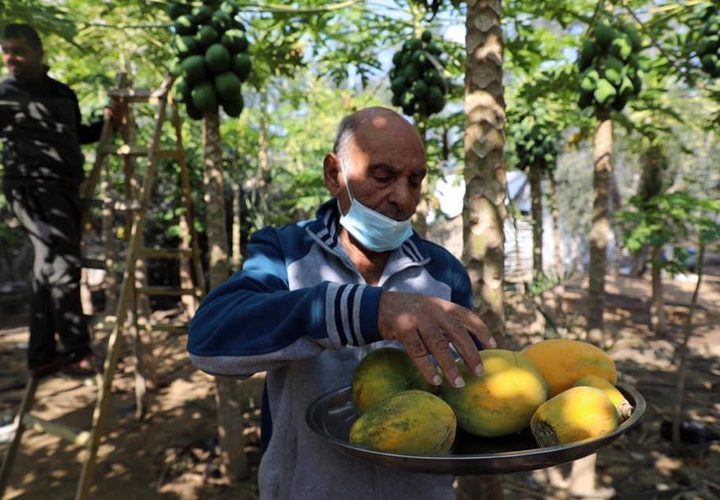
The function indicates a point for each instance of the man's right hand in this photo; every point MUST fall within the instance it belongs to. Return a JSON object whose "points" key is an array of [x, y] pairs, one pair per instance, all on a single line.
{"points": [[427, 325]]}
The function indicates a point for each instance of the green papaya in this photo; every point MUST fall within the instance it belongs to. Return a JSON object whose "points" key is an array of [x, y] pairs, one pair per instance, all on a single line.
{"points": [[604, 34], [588, 80], [192, 111], [587, 54], [234, 40], [227, 86], [426, 36], [397, 85], [202, 14], [184, 25], [613, 70], [621, 48], [234, 107], [176, 9], [204, 97], [194, 68], [221, 20], [217, 58], [604, 92], [207, 35], [586, 99], [187, 45], [419, 90], [242, 66]]}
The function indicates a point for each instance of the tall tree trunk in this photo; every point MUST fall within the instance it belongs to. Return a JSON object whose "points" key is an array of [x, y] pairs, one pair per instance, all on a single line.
{"points": [[653, 163], [677, 409], [230, 422], [484, 208], [537, 218], [658, 321], [557, 245], [600, 227], [421, 213]]}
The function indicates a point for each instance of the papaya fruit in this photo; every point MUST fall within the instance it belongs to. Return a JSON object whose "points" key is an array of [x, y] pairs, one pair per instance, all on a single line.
{"points": [[241, 66], [604, 34], [622, 406], [408, 422], [573, 415], [604, 92], [204, 97], [207, 35], [234, 107], [194, 68], [217, 58], [562, 362], [382, 373], [184, 25], [227, 86], [587, 54], [502, 400]]}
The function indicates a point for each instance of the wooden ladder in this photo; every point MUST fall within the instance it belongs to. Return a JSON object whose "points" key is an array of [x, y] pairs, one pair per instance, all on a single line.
{"points": [[126, 310]]}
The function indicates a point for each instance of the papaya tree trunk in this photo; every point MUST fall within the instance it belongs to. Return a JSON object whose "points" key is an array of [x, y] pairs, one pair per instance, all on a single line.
{"points": [[420, 218], [230, 422], [657, 304], [557, 244], [485, 182], [485, 187], [536, 211], [677, 410], [600, 227]]}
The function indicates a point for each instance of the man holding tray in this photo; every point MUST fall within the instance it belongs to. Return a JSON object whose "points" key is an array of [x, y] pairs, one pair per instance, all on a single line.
{"points": [[312, 297]]}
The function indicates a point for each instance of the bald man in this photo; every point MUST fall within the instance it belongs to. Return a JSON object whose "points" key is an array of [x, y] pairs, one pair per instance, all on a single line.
{"points": [[315, 296]]}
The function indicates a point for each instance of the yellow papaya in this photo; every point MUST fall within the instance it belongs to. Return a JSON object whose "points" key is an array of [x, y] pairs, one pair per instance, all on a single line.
{"points": [[409, 422], [573, 415], [381, 373], [562, 362], [622, 405], [502, 400]]}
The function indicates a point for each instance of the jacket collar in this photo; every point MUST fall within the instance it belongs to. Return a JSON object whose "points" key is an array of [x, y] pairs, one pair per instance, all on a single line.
{"points": [[325, 230]]}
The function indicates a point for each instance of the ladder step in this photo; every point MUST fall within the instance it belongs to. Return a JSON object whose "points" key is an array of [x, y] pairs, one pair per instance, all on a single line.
{"points": [[68, 433], [177, 329], [137, 95], [167, 290], [166, 253], [128, 150], [94, 263]]}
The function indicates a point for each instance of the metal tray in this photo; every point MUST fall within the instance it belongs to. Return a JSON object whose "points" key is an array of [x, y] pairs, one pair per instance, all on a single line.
{"points": [[332, 415]]}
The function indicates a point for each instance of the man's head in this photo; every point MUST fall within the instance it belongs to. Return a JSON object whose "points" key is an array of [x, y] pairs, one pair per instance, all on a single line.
{"points": [[22, 51], [384, 160]]}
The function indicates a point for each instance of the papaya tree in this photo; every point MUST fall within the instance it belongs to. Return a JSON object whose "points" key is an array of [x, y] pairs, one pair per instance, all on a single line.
{"points": [[211, 45], [610, 77], [535, 139], [419, 87]]}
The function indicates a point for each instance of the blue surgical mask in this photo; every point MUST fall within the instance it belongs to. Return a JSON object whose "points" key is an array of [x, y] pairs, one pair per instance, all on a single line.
{"points": [[373, 230]]}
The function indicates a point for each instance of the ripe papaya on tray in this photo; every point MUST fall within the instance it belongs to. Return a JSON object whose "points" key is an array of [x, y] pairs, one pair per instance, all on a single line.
{"points": [[622, 405], [409, 422], [573, 415], [502, 400], [562, 362], [382, 373]]}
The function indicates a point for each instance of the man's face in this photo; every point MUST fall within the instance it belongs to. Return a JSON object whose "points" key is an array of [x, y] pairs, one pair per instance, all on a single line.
{"points": [[385, 168], [21, 60]]}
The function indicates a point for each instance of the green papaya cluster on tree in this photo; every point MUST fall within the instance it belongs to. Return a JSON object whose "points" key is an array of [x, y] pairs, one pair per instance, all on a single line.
{"points": [[610, 72], [535, 139], [708, 48], [212, 57], [416, 80]]}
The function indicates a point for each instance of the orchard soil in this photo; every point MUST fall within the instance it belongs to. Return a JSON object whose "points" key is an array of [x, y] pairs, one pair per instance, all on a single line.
{"points": [[173, 452]]}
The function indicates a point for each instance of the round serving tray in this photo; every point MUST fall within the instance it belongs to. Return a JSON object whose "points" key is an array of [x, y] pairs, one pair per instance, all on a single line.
{"points": [[332, 415]]}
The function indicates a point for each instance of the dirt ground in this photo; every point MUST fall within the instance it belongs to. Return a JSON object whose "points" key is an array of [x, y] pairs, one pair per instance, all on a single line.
{"points": [[173, 452]]}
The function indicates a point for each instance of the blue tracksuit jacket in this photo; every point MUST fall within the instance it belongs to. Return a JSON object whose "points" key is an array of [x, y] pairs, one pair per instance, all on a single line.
{"points": [[301, 311]]}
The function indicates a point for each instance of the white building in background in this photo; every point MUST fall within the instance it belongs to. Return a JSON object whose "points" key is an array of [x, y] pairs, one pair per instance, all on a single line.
{"points": [[447, 229]]}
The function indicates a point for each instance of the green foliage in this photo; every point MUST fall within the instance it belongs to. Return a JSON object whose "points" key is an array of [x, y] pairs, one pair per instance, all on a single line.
{"points": [[671, 219]]}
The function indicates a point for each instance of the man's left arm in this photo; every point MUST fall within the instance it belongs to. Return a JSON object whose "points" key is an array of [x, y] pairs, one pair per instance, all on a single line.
{"points": [[91, 133]]}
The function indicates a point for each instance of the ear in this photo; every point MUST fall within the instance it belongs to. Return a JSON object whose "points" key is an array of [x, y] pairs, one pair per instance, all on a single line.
{"points": [[332, 173]]}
